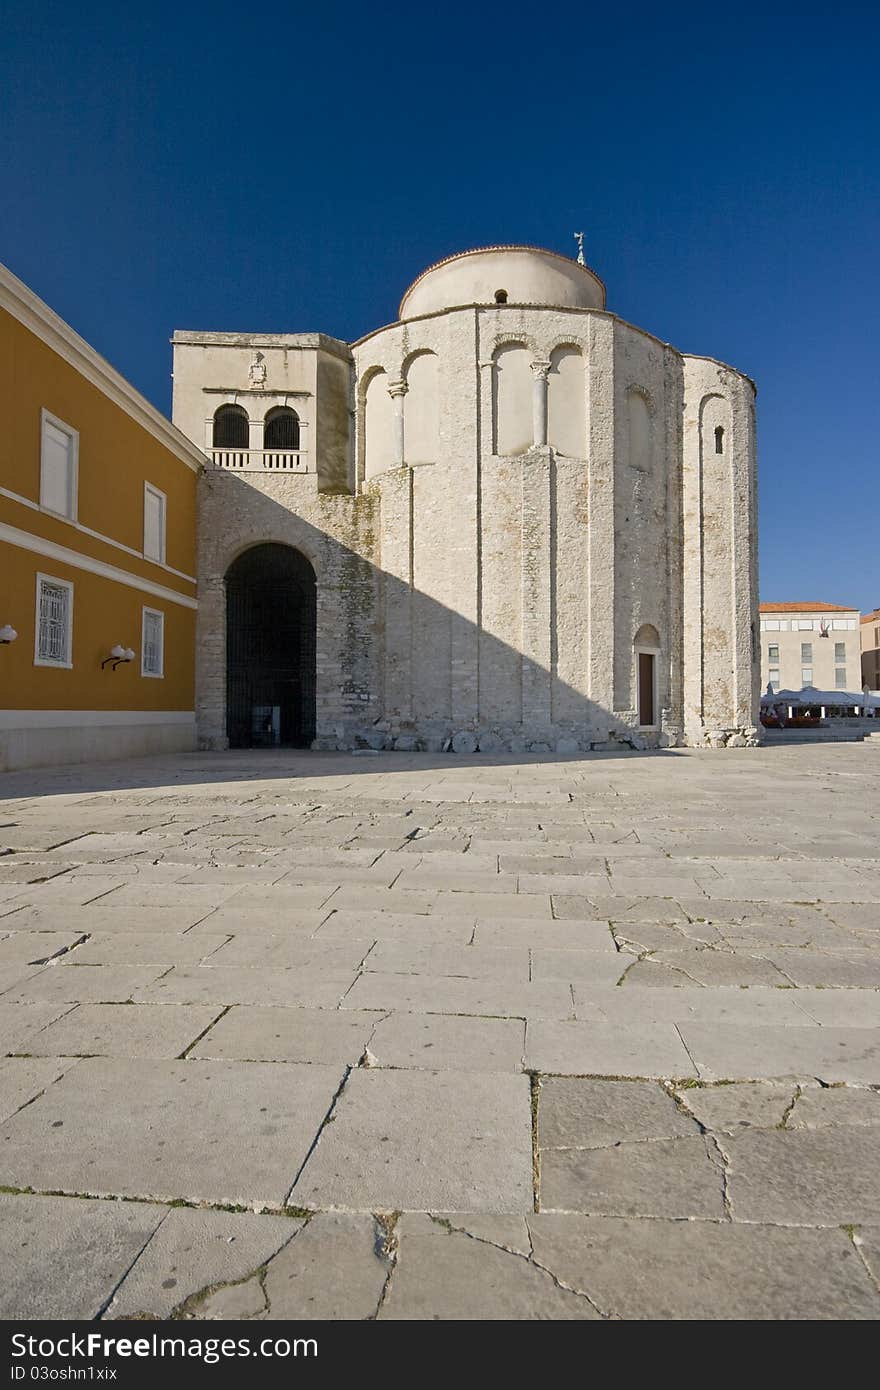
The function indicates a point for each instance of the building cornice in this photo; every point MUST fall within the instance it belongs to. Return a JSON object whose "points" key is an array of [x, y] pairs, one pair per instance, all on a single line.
{"points": [[45, 324]]}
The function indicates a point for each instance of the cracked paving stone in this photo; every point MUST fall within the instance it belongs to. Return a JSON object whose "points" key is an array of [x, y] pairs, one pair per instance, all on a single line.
{"points": [[335, 1269], [835, 1105], [575, 1112], [658, 1177], [233, 1301], [809, 1176], [62, 1258], [633, 1048], [510, 1232], [688, 1270], [194, 1250], [228, 1132], [23, 1078], [709, 967], [124, 1030], [728, 1108], [443, 1274], [419, 1141]]}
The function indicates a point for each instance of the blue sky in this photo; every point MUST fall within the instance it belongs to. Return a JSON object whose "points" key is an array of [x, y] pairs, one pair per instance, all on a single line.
{"points": [[291, 167]]}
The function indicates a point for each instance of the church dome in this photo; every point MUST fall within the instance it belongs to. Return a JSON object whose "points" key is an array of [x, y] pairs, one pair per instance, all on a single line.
{"points": [[503, 275]]}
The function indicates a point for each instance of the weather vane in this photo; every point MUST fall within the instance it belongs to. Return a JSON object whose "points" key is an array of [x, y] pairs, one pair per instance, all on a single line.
{"points": [[579, 238]]}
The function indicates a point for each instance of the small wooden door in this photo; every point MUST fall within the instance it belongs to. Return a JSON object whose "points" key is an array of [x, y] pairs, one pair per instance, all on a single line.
{"points": [[646, 689]]}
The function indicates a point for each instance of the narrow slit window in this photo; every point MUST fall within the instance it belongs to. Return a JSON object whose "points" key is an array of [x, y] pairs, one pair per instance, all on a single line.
{"points": [[153, 643], [719, 439]]}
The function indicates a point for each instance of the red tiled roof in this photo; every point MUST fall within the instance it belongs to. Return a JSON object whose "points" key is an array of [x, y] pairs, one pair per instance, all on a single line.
{"points": [[871, 617], [805, 608]]}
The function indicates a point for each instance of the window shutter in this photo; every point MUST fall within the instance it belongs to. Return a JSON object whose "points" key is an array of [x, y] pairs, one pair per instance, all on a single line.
{"points": [[154, 525], [56, 481]]}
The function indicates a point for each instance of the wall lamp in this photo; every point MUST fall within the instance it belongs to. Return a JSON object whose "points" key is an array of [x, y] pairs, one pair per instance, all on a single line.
{"points": [[119, 655], [7, 634]]}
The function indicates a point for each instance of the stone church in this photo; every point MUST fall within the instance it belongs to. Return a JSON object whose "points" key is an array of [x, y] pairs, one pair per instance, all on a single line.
{"points": [[508, 520]]}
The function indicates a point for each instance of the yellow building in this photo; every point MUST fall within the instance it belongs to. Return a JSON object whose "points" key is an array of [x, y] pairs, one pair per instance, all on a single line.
{"points": [[97, 553]]}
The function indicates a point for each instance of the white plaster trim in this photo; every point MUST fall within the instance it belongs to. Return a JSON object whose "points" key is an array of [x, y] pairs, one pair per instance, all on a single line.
{"points": [[40, 546], [42, 321], [96, 535], [90, 718]]}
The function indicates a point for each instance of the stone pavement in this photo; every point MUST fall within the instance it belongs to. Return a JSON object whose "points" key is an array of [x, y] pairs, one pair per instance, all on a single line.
{"points": [[403, 1036]]}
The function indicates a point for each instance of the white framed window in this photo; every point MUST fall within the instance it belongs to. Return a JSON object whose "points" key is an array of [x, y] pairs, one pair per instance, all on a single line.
{"points": [[774, 678], [805, 624], [806, 651], [806, 676], [59, 466], [770, 625], [53, 640], [154, 523], [840, 678], [773, 651], [153, 643], [840, 651]]}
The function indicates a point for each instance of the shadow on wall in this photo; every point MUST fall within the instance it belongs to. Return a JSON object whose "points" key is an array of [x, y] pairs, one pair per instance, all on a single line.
{"points": [[394, 666]]}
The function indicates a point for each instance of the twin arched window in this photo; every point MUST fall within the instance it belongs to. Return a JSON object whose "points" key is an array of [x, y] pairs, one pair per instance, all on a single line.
{"points": [[232, 428]]}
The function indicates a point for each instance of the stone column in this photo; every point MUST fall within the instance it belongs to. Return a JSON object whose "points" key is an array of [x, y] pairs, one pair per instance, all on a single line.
{"points": [[397, 390], [539, 403]]}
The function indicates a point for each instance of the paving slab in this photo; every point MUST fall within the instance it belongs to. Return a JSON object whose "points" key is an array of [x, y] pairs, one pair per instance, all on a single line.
{"points": [[438, 1042], [678, 1178], [807, 1176], [577, 1112], [411, 1140], [445, 994], [731, 1051], [124, 1030], [60, 983], [199, 984], [224, 1132], [24, 1078], [19, 1022], [408, 927], [258, 1033], [725, 1004], [727, 1109], [63, 1258], [442, 1273], [605, 1049], [816, 1107], [336, 1269], [687, 1270], [192, 1250]]}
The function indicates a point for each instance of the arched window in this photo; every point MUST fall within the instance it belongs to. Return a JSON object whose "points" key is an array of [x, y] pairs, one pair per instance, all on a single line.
{"points": [[230, 427], [719, 439], [281, 429], [501, 296]]}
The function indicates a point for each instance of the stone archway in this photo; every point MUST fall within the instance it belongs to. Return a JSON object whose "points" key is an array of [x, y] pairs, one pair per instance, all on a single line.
{"points": [[271, 614]]}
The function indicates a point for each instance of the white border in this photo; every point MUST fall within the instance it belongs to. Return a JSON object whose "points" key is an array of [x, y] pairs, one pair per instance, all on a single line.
{"points": [[90, 718], [47, 418], [156, 613], [156, 492], [40, 546], [41, 660]]}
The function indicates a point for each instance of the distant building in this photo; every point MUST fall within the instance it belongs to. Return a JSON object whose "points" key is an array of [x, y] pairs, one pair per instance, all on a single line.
{"points": [[97, 552], [810, 644], [870, 642]]}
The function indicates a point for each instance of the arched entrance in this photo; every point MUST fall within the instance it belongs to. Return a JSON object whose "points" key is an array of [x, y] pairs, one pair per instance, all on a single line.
{"points": [[270, 649]]}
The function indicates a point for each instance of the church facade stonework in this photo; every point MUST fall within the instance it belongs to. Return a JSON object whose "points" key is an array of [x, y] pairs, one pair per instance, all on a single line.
{"points": [[507, 521]]}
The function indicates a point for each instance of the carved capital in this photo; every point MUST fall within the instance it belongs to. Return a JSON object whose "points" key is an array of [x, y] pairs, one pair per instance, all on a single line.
{"points": [[540, 370], [397, 388]]}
